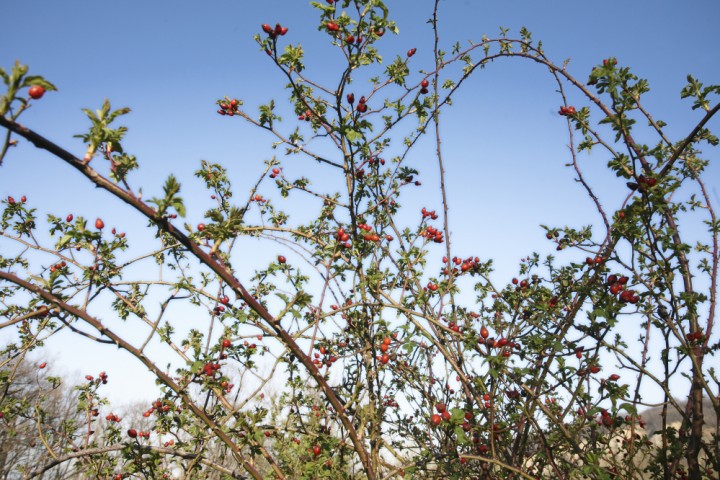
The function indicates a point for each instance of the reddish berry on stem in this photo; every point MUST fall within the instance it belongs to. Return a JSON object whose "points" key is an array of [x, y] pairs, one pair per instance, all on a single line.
{"points": [[36, 92]]}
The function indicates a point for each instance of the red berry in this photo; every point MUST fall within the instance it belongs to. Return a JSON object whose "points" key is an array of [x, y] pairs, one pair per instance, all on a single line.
{"points": [[436, 419], [316, 450], [99, 224], [42, 365], [36, 92], [332, 26], [69, 218], [424, 84], [440, 407], [281, 259], [411, 52], [267, 28], [132, 433]]}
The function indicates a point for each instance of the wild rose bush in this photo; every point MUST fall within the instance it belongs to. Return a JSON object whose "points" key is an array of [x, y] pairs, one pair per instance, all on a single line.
{"points": [[388, 367]]}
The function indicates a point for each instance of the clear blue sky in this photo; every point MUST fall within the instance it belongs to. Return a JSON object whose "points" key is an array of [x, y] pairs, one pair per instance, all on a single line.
{"points": [[504, 142]]}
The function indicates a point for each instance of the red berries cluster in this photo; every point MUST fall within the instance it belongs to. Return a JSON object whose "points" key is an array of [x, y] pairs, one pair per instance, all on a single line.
{"points": [[259, 199], [384, 347], [617, 285], [11, 200], [465, 265], [432, 233], [593, 261], [442, 415], [102, 378], [605, 418], [132, 433], [210, 368], [228, 108], [429, 214], [361, 106], [327, 359], [305, 116], [565, 111], [57, 266], [454, 327], [157, 405], [111, 417], [501, 344], [350, 40], [332, 27], [424, 86], [370, 236], [591, 369], [389, 401], [278, 31], [275, 172], [343, 237], [629, 296]]}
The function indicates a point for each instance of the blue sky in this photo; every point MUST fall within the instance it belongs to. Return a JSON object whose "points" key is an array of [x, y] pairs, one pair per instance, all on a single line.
{"points": [[504, 144]]}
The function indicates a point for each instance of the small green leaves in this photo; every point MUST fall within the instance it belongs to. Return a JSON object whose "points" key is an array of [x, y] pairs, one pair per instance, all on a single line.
{"points": [[100, 133], [267, 115], [292, 58], [398, 71], [694, 89], [171, 199]]}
